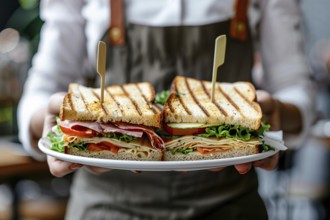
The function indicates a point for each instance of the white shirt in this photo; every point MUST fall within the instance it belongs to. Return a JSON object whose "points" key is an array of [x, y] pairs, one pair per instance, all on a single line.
{"points": [[76, 23]]}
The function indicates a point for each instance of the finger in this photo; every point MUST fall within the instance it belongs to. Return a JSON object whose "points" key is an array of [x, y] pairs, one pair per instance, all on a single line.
{"points": [[53, 110], [136, 171], [55, 102], [270, 109], [274, 121], [217, 169], [49, 122], [97, 170], [269, 163], [61, 168], [266, 102], [243, 168]]}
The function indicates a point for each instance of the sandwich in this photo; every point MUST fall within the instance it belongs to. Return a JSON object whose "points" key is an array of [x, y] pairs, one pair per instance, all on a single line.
{"points": [[122, 127], [198, 129]]}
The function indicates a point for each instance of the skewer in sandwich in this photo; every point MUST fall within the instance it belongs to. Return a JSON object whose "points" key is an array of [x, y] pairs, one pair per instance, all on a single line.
{"points": [[200, 129], [120, 128]]}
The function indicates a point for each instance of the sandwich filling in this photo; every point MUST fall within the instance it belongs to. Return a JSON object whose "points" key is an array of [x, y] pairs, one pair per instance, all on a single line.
{"points": [[214, 139], [197, 124], [113, 137]]}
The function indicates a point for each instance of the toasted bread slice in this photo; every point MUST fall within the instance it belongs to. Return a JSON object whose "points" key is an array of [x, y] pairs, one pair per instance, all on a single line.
{"points": [[131, 103], [190, 102], [209, 148], [230, 153], [121, 155]]}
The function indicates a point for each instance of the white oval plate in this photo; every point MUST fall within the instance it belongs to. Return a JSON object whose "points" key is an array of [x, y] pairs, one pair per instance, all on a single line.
{"points": [[44, 146]]}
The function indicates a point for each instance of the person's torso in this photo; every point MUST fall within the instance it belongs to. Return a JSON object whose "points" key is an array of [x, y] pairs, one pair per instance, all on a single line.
{"points": [[163, 13], [157, 55]]}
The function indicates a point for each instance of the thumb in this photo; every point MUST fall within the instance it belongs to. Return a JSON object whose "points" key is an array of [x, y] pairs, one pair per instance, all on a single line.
{"points": [[55, 103], [60, 168], [53, 111], [266, 102], [49, 122]]}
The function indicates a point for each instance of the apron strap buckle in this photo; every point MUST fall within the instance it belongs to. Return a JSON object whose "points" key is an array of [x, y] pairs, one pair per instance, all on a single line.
{"points": [[239, 23], [117, 23]]}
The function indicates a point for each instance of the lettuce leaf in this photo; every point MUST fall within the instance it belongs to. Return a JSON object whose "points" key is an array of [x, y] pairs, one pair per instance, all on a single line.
{"points": [[80, 145], [56, 142], [234, 131], [121, 137], [264, 147], [184, 151], [162, 97]]}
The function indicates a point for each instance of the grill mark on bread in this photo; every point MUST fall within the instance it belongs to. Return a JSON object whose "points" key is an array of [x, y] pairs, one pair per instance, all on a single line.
{"points": [[72, 106], [170, 106], [180, 100], [117, 103], [245, 99], [102, 104], [195, 98], [84, 100], [149, 104], [215, 103], [229, 99], [133, 102]]}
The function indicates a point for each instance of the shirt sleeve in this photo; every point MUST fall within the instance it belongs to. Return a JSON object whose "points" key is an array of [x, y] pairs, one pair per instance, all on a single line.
{"points": [[287, 74], [57, 63]]}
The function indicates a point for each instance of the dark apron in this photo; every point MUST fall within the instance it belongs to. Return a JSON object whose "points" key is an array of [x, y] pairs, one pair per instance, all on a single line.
{"points": [[157, 55]]}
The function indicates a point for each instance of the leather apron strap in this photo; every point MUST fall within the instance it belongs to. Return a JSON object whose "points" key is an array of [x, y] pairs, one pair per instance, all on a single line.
{"points": [[175, 51], [239, 23], [117, 23], [238, 26]]}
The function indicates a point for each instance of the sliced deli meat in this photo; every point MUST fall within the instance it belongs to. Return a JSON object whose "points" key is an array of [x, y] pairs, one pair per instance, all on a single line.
{"points": [[122, 128], [155, 140]]}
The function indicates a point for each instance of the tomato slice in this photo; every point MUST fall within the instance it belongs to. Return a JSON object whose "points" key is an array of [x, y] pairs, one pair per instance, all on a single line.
{"points": [[185, 131], [96, 147], [103, 146], [204, 150], [113, 148], [78, 131]]}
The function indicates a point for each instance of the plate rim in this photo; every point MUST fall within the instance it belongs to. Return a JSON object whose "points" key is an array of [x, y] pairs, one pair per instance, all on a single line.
{"points": [[152, 165]]}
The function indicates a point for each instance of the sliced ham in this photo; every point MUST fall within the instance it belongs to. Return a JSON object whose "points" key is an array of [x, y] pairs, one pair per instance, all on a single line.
{"points": [[155, 140], [122, 128], [110, 128], [73, 124]]}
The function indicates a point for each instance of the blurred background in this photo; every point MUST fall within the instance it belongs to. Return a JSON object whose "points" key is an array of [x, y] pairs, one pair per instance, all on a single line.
{"points": [[298, 189], [27, 190]]}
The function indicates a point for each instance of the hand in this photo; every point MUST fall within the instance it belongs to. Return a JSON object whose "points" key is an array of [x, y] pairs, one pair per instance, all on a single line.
{"points": [[280, 115], [58, 167], [52, 112], [268, 163], [270, 108]]}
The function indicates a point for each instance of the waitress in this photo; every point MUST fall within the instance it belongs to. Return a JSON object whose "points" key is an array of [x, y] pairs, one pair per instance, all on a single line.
{"points": [[154, 41]]}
